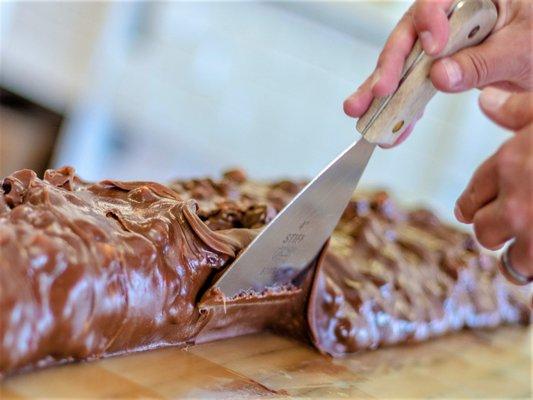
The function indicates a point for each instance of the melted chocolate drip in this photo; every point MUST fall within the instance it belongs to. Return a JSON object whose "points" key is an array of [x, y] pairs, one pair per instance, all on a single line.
{"points": [[92, 270]]}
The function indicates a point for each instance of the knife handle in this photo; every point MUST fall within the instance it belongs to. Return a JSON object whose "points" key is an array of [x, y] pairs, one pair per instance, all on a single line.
{"points": [[471, 21]]}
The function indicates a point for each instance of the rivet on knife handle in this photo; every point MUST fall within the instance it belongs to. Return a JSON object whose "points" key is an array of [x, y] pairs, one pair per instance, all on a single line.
{"points": [[471, 21]]}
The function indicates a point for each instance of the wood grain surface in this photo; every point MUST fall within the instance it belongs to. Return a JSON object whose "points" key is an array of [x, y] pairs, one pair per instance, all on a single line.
{"points": [[470, 364]]}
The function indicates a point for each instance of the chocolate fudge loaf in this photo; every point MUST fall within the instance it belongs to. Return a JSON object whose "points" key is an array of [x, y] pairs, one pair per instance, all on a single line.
{"points": [[89, 270]]}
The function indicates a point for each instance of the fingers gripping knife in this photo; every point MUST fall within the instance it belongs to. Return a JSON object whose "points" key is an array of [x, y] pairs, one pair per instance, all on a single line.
{"points": [[293, 239]]}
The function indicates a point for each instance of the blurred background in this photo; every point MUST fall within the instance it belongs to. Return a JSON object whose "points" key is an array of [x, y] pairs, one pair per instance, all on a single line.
{"points": [[156, 90]]}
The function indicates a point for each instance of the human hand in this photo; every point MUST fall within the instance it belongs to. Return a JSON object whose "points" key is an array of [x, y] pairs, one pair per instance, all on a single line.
{"points": [[503, 60], [499, 198]]}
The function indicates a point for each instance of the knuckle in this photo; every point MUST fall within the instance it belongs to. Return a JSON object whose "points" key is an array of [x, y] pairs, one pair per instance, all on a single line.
{"points": [[509, 208], [524, 73], [513, 213], [480, 68], [423, 14], [507, 158], [408, 17], [382, 56]]}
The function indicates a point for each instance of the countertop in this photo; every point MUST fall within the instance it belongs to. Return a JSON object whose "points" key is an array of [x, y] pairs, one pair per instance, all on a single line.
{"points": [[469, 364]]}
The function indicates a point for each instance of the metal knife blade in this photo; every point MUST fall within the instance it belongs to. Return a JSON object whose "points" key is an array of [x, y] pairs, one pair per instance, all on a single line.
{"points": [[291, 241], [294, 237]]}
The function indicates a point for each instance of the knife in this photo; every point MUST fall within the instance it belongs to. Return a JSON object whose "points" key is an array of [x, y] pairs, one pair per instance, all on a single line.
{"points": [[291, 241]]}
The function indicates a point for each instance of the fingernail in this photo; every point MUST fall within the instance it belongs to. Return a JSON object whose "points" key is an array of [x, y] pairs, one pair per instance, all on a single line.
{"points": [[458, 214], [492, 98], [428, 43], [453, 72]]}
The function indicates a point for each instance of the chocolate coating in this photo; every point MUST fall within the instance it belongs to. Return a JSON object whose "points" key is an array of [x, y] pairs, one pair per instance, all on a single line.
{"points": [[92, 270]]}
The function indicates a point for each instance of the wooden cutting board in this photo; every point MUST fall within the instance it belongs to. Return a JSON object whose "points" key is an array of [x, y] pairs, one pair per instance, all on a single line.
{"points": [[480, 364]]}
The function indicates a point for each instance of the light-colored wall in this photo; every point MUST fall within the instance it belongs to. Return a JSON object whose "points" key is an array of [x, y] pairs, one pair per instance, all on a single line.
{"points": [[179, 88], [46, 48]]}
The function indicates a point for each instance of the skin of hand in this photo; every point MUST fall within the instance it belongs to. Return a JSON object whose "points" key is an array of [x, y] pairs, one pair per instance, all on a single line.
{"points": [[498, 201], [503, 60]]}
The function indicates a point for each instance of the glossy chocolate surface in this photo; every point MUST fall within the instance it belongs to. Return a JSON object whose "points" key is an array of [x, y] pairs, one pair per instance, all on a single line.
{"points": [[92, 270]]}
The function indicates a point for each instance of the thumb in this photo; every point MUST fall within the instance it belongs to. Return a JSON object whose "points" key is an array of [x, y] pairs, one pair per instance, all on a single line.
{"points": [[495, 60], [511, 111]]}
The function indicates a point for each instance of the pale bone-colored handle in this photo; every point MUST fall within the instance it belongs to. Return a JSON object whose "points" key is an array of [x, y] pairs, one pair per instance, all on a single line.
{"points": [[471, 21]]}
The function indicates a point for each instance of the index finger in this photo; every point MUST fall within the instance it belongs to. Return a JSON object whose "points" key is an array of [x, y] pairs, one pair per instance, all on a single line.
{"points": [[430, 19], [386, 76], [392, 58]]}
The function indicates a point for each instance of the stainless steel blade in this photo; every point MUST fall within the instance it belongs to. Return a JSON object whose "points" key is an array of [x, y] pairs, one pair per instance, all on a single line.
{"points": [[289, 243], [292, 239]]}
